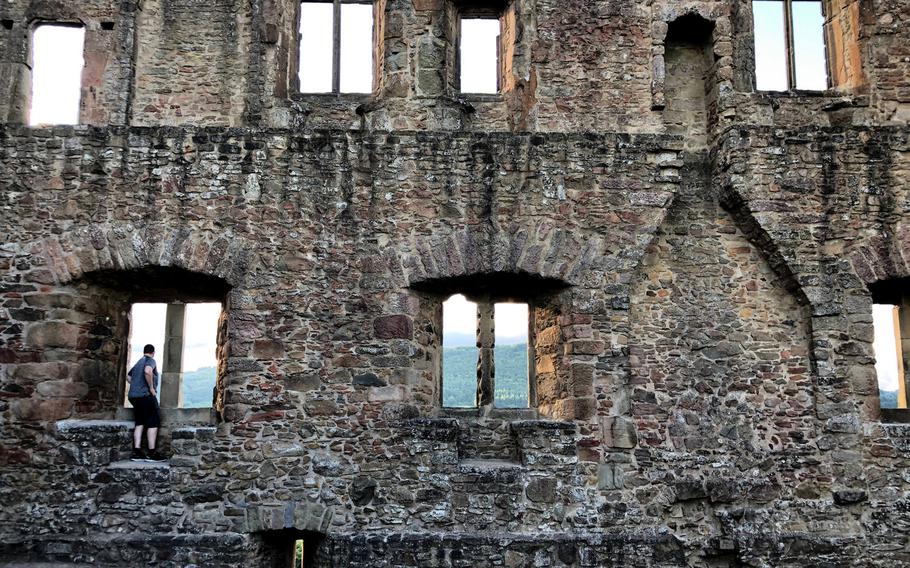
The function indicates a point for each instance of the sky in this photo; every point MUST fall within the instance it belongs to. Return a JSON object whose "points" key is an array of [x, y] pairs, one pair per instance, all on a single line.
{"points": [[459, 322], [479, 65], [56, 74], [884, 346], [200, 333], [771, 51]]}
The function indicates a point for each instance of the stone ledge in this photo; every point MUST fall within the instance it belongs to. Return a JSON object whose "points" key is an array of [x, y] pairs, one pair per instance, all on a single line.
{"points": [[482, 465], [128, 464], [76, 426]]}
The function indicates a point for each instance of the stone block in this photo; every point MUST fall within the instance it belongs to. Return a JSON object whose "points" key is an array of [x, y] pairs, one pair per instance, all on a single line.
{"points": [[268, 349], [397, 326], [368, 380], [62, 389], [542, 490], [53, 334], [619, 432], [610, 476], [45, 410]]}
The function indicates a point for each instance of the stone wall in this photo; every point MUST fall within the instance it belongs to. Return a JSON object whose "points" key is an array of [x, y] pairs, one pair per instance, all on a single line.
{"points": [[697, 257]]}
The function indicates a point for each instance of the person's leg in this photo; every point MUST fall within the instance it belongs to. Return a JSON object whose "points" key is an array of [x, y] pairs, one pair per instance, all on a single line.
{"points": [[137, 437], [152, 436]]}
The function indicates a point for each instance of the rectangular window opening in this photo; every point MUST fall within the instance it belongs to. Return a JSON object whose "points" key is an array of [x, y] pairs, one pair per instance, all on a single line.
{"points": [[511, 355], [459, 353], [57, 61], [335, 47], [479, 55], [790, 51], [298, 555], [185, 340], [810, 66], [889, 364]]}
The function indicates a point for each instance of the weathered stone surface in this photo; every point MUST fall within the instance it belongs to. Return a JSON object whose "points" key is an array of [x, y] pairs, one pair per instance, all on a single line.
{"points": [[697, 257], [393, 327]]}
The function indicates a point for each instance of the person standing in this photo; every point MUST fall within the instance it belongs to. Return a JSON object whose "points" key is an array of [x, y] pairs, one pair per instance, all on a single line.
{"points": [[143, 379]]}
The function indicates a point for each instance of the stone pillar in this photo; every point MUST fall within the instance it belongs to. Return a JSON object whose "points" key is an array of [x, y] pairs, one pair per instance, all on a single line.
{"points": [[486, 338], [172, 357]]}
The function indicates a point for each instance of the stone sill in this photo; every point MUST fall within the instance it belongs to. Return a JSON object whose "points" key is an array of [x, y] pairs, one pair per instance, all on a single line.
{"points": [[483, 465], [838, 99], [169, 416], [72, 425], [481, 97], [479, 414], [129, 464]]}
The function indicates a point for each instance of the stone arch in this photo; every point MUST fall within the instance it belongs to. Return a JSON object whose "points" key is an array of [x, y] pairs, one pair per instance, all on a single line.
{"points": [[541, 249], [276, 528], [66, 258], [883, 256]]}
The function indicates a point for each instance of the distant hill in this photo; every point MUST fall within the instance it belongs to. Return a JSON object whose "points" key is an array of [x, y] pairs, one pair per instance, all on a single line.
{"points": [[459, 368], [198, 387], [887, 399]]}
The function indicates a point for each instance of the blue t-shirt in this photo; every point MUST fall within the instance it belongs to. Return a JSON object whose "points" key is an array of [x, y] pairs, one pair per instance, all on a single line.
{"points": [[139, 387]]}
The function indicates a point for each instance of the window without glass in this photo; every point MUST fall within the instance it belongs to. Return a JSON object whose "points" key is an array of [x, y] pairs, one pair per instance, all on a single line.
{"points": [[789, 45], [479, 55], [57, 63], [336, 47], [185, 340], [891, 335], [485, 354]]}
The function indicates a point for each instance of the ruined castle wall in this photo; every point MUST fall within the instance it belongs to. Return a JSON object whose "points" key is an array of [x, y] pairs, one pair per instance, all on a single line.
{"points": [[705, 385]]}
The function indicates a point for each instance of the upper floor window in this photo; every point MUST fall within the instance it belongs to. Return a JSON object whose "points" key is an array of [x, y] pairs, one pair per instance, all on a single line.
{"points": [[484, 354], [485, 36], [336, 47], [479, 55], [790, 45], [57, 61]]}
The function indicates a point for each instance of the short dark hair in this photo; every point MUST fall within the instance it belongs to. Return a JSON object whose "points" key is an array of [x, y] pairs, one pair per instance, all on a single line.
{"points": [[149, 348]]}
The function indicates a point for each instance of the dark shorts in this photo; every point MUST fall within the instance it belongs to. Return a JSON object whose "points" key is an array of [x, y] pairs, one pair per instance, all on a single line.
{"points": [[145, 411]]}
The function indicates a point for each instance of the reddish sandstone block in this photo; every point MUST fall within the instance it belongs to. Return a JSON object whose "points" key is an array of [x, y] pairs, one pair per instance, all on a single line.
{"points": [[393, 327]]}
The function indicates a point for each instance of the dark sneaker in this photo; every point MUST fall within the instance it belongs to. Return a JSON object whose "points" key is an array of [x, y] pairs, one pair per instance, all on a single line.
{"points": [[154, 456], [138, 455]]}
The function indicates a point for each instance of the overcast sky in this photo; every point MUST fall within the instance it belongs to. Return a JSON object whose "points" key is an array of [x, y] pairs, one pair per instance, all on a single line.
{"points": [[199, 336], [771, 51]]}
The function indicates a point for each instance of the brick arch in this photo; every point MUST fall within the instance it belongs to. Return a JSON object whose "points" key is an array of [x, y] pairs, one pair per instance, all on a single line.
{"points": [[542, 249], [66, 258]]}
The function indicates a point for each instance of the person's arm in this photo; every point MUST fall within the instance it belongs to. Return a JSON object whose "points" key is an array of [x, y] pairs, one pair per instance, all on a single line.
{"points": [[150, 380]]}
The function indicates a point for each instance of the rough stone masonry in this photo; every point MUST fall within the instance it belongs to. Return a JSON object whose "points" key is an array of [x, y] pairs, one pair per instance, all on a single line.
{"points": [[699, 258]]}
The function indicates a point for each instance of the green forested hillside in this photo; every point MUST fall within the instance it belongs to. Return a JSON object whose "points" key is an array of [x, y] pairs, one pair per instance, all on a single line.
{"points": [[459, 369], [197, 388]]}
